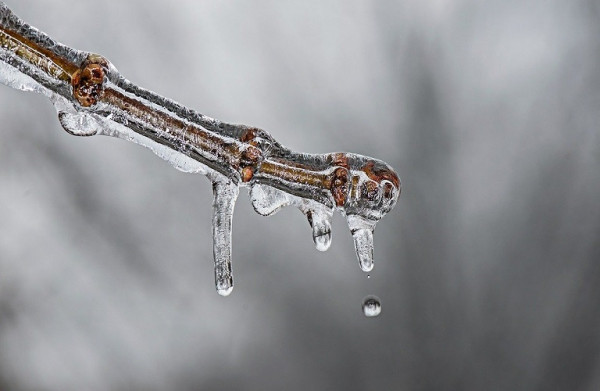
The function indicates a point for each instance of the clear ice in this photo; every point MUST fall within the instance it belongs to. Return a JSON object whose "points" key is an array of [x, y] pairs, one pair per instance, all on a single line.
{"points": [[320, 221], [267, 200], [371, 306], [224, 195], [362, 233], [92, 98]]}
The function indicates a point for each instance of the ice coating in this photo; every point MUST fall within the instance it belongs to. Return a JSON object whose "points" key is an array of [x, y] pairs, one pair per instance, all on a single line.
{"points": [[267, 200], [13, 78], [92, 98]]}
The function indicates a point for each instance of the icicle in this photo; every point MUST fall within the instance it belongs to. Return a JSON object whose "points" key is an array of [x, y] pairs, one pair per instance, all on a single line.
{"points": [[363, 243], [320, 221], [362, 233], [267, 200], [224, 196]]}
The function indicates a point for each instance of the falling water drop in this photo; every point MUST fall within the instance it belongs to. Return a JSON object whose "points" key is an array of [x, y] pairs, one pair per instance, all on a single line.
{"points": [[368, 276], [371, 306]]}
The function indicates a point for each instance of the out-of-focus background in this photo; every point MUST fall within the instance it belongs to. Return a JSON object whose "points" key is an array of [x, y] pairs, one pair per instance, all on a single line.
{"points": [[488, 269]]}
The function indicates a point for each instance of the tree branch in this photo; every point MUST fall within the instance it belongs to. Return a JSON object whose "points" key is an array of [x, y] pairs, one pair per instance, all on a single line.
{"points": [[92, 98]]}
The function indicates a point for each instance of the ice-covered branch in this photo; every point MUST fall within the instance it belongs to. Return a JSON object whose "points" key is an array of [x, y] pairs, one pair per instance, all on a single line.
{"points": [[92, 98]]}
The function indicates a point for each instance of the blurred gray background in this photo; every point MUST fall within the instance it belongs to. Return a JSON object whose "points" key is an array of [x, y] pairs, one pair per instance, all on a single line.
{"points": [[488, 268]]}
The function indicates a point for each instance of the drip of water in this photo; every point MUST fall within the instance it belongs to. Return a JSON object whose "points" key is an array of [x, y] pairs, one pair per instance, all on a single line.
{"points": [[371, 306]]}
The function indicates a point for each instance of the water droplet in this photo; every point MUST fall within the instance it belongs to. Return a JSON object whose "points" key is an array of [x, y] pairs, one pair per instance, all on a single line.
{"points": [[371, 306], [368, 276], [224, 286]]}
